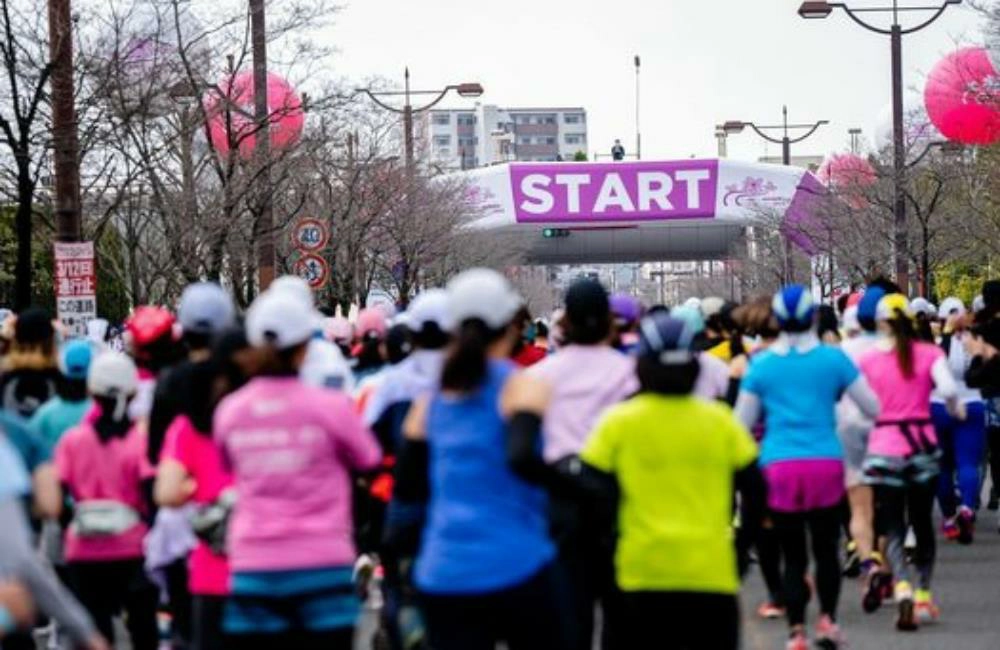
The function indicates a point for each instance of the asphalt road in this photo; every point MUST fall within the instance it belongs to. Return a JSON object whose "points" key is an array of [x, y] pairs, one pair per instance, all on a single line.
{"points": [[966, 586]]}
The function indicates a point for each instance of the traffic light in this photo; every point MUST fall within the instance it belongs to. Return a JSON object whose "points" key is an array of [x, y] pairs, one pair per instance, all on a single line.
{"points": [[552, 233]]}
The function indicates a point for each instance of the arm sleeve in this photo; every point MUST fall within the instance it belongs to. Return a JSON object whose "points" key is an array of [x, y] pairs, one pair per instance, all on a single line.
{"points": [[524, 433], [748, 409], [412, 468], [161, 415], [861, 394], [944, 381]]}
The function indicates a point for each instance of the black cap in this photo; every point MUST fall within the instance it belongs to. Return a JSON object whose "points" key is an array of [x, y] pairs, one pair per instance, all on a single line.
{"points": [[33, 325], [587, 305]]}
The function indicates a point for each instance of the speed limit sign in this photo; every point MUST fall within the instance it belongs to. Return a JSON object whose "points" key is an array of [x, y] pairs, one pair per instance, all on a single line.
{"points": [[310, 235], [313, 269]]}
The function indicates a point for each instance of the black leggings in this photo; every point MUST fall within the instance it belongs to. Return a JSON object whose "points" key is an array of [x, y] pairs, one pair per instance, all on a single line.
{"points": [[899, 507], [528, 616], [691, 621], [993, 442], [109, 588], [824, 533], [769, 558], [206, 622]]}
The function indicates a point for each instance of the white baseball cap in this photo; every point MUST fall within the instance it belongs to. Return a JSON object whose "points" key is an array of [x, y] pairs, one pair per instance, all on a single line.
{"points": [[922, 306], [429, 307], [206, 308], [113, 374], [949, 305], [294, 286], [298, 289], [279, 319], [482, 294]]}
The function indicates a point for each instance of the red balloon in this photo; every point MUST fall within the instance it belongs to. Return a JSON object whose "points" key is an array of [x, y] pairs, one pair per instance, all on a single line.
{"points": [[962, 97], [237, 95]]}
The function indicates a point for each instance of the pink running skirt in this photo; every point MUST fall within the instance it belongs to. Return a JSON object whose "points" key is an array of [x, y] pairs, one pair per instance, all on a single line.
{"points": [[802, 485]]}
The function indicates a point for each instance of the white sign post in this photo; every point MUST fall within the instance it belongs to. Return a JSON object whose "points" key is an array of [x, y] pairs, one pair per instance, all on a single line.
{"points": [[75, 286]]}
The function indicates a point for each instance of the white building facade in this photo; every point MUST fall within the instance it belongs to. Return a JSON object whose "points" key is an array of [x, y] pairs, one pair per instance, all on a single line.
{"points": [[487, 135]]}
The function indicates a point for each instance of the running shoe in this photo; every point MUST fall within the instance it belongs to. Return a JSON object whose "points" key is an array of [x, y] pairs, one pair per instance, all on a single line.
{"points": [[907, 619], [925, 609], [949, 527], [876, 583], [966, 521], [797, 641], [828, 634], [769, 611], [852, 561]]}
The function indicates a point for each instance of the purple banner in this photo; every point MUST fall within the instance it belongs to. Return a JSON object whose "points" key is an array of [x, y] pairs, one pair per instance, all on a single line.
{"points": [[613, 192]]}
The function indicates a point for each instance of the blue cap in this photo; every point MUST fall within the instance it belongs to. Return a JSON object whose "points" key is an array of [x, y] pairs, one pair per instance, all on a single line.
{"points": [[868, 305], [793, 306], [666, 339], [74, 359]]}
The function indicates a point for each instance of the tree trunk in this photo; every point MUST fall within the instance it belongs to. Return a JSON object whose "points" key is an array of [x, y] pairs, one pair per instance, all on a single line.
{"points": [[23, 226]]}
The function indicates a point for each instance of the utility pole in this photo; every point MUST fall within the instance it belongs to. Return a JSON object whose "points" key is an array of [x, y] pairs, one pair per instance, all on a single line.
{"points": [[262, 149], [65, 143]]}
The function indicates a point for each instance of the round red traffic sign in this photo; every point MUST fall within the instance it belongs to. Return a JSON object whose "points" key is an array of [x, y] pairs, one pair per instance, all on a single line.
{"points": [[313, 269], [310, 235]]}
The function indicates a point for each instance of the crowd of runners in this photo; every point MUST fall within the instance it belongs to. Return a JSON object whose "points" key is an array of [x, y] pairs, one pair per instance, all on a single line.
{"points": [[599, 477]]}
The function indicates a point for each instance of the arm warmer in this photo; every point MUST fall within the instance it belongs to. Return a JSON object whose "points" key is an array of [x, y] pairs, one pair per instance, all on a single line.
{"points": [[412, 467]]}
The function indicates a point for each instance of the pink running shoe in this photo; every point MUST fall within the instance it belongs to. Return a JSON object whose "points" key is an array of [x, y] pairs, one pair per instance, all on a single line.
{"points": [[828, 634]]}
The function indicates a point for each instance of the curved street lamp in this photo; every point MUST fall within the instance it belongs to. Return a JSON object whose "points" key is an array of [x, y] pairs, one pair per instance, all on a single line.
{"points": [[820, 10], [469, 90]]}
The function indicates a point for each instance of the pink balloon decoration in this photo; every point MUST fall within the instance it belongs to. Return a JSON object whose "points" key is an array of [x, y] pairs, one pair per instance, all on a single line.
{"points": [[237, 95], [962, 96]]}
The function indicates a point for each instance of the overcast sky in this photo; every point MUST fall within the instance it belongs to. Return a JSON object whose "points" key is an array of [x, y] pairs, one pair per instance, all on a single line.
{"points": [[703, 62]]}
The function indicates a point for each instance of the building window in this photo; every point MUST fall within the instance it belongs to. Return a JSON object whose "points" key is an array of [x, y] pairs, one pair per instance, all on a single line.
{"points": [[523, 140], [575, 138], [550, 140], [550, 119], [444, 153], [466, 120], [442, 141], [441, 119], [573, 118]]}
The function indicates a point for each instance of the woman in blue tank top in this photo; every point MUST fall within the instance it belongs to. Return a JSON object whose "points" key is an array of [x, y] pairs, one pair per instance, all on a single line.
{"points": [[485, 566]]}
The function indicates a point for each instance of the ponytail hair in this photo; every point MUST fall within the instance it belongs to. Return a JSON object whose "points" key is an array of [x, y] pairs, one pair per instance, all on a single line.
{"points": [[466, 365], [905, 334]]}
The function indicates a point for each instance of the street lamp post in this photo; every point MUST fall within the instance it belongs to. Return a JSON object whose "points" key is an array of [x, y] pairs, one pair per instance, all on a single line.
{"points": [[820, 10], [638, 138], [469, 90], [786, 141]]}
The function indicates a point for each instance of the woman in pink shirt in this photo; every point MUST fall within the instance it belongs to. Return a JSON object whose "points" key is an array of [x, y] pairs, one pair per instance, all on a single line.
{"points": [[291, 449], [191, 469], [901, 462], [102, 465]]}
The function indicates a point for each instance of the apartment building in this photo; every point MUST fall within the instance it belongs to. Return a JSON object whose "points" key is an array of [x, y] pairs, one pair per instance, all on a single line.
{"points": [[488, 134]]}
